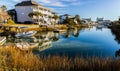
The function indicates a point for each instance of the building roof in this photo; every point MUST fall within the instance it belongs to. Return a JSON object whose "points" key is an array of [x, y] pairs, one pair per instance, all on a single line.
{"points": [[27, 3], [31, 3]]}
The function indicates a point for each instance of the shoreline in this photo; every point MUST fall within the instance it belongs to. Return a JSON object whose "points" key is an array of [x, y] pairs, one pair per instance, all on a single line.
{"points": [[41, 29]]}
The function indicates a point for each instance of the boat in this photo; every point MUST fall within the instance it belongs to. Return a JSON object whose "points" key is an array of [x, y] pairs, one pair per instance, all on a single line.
{"points": [[26, 45], [2, 40], [56, 31], [26, 34]]}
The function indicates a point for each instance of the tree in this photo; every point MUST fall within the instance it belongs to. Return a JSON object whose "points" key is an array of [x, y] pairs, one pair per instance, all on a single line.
{"points": [[55, 17], [69, 21], [37, 14], [4, 8], [119, 20], [77, 17]]}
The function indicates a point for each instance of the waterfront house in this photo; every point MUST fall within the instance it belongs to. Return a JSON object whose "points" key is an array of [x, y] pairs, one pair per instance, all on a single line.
{"points": [[25, 7], [64, 17], [87, 21], [107, 22], [100, 21]]}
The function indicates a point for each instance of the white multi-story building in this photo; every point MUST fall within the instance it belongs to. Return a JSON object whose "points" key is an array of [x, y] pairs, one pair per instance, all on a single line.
{"points": [[25, 7]]}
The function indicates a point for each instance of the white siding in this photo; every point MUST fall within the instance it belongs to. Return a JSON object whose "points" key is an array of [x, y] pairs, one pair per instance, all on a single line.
{"points": [[22, 13]]}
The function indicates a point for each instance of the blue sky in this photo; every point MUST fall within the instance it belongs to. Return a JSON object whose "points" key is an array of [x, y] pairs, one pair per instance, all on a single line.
{"points": [[109, 9]]}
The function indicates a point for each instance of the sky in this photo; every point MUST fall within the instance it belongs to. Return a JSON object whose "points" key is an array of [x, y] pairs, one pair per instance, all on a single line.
{"points": [[109, 9]]}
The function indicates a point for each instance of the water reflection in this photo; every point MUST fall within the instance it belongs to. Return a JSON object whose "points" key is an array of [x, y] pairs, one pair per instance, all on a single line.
{"points": [[117, 53], [42, 40], [116, 32], [46, 39], [72, 32], [89, 40]]}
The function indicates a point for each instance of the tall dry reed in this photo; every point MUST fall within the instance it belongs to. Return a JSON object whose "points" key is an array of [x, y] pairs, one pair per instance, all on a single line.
{"points": [[13, 59]]}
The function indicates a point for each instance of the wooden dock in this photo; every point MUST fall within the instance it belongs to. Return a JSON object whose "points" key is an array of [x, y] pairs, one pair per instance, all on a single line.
{"points": [[2, 40]]}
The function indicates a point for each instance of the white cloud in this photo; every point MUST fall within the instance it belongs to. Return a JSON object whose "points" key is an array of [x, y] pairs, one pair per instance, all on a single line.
{"points": [[59, 3]]}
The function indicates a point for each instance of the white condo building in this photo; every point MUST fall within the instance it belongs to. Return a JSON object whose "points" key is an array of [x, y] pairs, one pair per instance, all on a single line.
{"points": [[25, 7]]}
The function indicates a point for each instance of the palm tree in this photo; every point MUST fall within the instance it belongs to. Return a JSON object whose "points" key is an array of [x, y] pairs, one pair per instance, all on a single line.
{"points": [[119, 20], [77, 17], [37, 14], [31, 14], [4, 8], [55, 17]]}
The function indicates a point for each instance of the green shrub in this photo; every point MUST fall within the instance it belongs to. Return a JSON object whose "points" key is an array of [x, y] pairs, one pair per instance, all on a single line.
{"points": [[71, 22], [10, 21]]}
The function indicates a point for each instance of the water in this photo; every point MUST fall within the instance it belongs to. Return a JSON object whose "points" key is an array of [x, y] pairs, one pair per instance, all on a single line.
{"points": [[78, 42]]}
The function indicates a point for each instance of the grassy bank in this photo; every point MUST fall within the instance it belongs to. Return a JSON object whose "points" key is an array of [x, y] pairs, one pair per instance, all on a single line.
{"points": [[12, 59]]}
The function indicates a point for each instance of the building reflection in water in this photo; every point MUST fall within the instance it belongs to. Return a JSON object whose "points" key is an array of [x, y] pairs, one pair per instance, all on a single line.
{"points": [[73, 32], [46, 39], [42, 40]]}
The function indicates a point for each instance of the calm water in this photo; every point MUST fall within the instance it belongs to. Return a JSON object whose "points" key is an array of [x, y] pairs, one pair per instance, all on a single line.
{"points": [[85, 42]]}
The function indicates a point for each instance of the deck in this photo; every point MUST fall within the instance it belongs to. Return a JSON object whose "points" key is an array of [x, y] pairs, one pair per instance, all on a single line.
{"points": [[2, 40]]}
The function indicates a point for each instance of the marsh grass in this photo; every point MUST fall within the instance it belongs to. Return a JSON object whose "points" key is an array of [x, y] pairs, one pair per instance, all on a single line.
{"points": [[61, 26], [13, 59]]}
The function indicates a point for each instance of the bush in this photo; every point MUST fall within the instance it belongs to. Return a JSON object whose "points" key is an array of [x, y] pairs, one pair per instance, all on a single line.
{"points": [[71, 22], [10, 21]]}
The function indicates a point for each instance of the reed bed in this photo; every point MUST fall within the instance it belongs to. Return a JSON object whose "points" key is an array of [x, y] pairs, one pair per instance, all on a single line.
{"points": [[61, 26], [13, 59]]}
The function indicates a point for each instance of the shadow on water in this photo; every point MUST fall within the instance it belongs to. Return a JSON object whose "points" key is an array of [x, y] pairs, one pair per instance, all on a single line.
{"points": [[116, 32], [117, 53]]}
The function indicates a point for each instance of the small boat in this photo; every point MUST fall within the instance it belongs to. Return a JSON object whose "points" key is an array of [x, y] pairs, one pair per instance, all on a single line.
{"points": [[56, 31], [26, 34], [2, 40]]}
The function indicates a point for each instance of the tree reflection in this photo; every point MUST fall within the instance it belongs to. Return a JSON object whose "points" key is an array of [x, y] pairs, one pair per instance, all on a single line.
{"points": [[117, 53], [73, 32], [55, 39], [116, 32], [76, 35]]}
